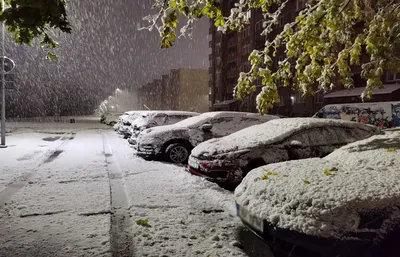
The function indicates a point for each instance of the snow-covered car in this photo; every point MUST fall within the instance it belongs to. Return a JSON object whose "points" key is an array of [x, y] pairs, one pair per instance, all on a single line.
{"points": [[126, 122], [125, 119], [112, 118], [229, 159], [174, 142], [151, 119], [345, 204]]}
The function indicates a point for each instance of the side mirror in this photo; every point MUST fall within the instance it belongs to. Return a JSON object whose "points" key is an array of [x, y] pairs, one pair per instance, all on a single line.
{"points": [[294, 144], [206, 127]]}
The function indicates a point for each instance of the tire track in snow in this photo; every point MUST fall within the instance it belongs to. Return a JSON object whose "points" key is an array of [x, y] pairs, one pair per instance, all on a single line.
{"points": [[121, 225], [22, 180]]}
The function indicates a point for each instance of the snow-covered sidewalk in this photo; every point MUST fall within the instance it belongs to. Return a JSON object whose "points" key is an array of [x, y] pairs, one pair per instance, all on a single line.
{"points": [[60, 195]]}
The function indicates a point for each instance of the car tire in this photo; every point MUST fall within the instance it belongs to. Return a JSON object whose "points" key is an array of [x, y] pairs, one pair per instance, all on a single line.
{"points": [[177, 153]]}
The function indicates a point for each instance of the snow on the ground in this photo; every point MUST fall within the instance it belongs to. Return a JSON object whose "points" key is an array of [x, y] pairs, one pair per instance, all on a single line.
{"points": [[60, 235], [188, 215], [324, 197], [25, 152], [64, 207]]}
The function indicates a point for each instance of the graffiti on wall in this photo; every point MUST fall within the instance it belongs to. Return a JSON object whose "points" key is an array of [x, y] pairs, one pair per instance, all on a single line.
{"points": [[377, 115]]}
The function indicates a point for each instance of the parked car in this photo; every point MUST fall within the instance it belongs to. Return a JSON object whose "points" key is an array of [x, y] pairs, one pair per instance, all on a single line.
{"points": [[111, 118], [174, 143], [381, 114], [345, 204], [126, 122], [229, 159], [127, 117], [151, 119]]}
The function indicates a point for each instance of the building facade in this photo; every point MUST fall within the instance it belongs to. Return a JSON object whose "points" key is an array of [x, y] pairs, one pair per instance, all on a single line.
{"points": [[181, 89], [229, 56]]}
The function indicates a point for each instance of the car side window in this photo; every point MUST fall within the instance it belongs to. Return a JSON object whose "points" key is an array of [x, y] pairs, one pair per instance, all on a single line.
{"points": [[329, 136], [176, 118], [222, 125], [348, 135], [159, 119], [302, 137]]}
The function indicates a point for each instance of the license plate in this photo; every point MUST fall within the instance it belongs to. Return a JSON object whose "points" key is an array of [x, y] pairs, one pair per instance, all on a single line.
{"points": [[193, 163], [253, 221]]}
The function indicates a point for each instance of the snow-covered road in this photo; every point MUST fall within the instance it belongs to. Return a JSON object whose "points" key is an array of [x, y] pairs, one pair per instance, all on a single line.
{"points": [[82, 192]]}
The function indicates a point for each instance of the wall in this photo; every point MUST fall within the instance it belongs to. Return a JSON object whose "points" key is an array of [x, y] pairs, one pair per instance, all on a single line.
{"points": [[193, 90]]}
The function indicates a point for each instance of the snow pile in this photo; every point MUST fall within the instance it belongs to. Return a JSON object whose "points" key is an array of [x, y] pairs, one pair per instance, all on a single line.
{"points": [[325, 197], [269, 133]]}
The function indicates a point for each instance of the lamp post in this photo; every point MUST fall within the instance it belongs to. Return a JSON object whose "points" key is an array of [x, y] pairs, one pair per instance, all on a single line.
{"points": [[7, 65]]}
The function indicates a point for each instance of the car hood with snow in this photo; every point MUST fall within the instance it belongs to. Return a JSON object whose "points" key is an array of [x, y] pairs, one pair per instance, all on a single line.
{"points": [[267, 133], [353, 190]]}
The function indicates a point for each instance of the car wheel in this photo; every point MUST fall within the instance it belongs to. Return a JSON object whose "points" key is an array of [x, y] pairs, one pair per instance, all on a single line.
{"points": [[177, 153]]}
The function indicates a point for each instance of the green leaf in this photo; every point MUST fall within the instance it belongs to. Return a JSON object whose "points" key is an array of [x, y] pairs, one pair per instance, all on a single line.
{"points": [[272, 173], [172, 3], [51, 56], [306, 182], [265, 177], [144, 223], [327, 172]]}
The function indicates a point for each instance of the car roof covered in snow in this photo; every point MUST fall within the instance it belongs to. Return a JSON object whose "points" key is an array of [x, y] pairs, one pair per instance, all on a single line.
{"points": [[215, 115], [152, 113], [271, 132], [325, 196]]}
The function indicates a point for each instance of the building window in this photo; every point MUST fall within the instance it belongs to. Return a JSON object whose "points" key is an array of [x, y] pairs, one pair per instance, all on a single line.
{"points": [[281, 101], [392, 77], [300, 5], [319, 97], [259, 25], [245, 67], [246, 32], [246, 49], [281, 21], [298, 98]]}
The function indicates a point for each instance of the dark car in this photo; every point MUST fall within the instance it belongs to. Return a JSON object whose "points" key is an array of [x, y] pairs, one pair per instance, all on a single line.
{"points": [[229, 159]]}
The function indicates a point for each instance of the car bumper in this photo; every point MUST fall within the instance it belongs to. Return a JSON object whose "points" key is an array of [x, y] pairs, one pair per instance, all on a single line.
{"points": [[146, 153], [212, 176]]}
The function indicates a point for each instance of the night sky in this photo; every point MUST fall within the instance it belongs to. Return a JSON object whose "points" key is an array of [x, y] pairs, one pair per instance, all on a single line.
{"points": [[105, 51]]}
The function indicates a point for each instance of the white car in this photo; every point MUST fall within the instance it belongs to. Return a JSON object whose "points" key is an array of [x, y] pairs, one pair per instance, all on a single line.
{"points": [[127, 117], [345, 204], [111, 118], [174, 142], [151, 119]]}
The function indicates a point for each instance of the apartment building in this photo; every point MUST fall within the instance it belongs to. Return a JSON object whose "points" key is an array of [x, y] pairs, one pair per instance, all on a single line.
{"points": [[229, 56], [181, 89]]}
